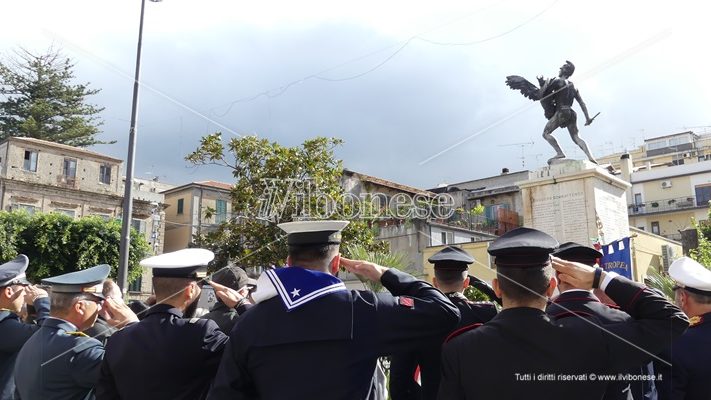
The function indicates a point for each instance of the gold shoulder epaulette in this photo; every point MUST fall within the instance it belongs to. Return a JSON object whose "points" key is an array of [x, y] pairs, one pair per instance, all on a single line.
{"points": [[81, 334]]}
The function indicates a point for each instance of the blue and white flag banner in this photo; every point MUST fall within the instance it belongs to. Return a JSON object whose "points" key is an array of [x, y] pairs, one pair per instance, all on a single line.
{"points": [[617, 257]]}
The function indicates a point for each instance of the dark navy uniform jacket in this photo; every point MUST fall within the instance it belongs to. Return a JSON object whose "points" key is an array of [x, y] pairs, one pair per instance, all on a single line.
{"points": [[58, 363], [583, 303], [689, 377], [327, 348], [164, 356], [429, 354], [13, 334], [226, 317], [522, 354], [101, 330]]}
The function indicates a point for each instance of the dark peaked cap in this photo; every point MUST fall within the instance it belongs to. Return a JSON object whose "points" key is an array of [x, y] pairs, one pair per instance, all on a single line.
{"points": [[451, 258], [523, 247], [572, 251], [89, 280], [13, 272]]}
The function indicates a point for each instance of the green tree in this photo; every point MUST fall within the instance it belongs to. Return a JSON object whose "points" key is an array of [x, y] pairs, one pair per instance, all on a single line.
{"points": [[41, 101], [268, 180], [56, 243], [702, 254], [384, 258]]}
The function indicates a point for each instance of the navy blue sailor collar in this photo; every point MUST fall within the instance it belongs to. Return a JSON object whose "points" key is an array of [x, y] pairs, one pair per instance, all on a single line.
{"points": [[296, 286]]}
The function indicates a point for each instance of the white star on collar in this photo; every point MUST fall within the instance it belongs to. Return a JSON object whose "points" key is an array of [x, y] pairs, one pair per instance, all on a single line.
{"points": [[295, 292]]}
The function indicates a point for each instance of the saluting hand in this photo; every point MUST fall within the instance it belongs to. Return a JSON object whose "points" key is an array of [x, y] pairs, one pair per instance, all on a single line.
{"points": [[119, 313], [371, 271], [33, 293], [578, 275], [229, 296]]}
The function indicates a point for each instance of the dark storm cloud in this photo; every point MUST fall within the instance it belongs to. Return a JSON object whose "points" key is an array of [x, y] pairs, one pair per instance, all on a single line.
{"points": [[444, 104]]}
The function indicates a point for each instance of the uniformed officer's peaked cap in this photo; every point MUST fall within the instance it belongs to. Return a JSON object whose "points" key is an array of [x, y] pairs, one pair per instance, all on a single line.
{"points": [[691, 276], [451, 258], [13, 272], [523, 247], [186, 263], [89, 280], [572, 251], [306, 233]]}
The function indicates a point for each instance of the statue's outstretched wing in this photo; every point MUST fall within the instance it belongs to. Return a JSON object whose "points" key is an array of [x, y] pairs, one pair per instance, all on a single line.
{"points": [[526, 88]]}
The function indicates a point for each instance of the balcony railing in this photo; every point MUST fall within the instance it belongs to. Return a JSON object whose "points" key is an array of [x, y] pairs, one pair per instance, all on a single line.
{"points": [[481, 223], [667, 205]]}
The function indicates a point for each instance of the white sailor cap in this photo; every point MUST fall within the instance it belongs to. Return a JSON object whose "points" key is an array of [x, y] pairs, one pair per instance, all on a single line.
{"points": [[305, 233], [186, 263], [691, 276], [13, 272]]}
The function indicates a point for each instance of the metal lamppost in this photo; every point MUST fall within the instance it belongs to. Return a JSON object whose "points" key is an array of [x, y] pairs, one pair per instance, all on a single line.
{"points": [[125, 244]]}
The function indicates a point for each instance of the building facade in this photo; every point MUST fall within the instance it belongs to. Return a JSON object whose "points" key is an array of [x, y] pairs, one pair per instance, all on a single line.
{"points": [[665, 200], [664, 151], [492, 204], [193, 209], [408, 235], [42, 176]]}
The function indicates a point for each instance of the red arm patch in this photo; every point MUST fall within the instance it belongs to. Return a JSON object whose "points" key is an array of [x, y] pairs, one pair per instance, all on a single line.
{"points": [[406, 301]]}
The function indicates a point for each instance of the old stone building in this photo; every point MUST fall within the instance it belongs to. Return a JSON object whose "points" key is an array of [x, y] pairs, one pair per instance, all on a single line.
{"points": [[41, 176]]}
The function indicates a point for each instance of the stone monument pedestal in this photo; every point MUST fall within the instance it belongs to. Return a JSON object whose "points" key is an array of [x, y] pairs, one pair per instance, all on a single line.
{"points": [[576, 201]]}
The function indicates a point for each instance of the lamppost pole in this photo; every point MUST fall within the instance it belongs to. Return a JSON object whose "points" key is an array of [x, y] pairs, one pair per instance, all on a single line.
{"points": [[125, 244]]}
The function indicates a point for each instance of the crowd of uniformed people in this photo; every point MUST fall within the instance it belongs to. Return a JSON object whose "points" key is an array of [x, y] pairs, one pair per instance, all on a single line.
{"points": [[557, 327]]}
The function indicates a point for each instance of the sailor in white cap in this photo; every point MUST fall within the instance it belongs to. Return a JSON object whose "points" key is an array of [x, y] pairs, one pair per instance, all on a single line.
{"points": [[59, 361], [690, 356], [309, 337], [16, 292], [168, 354]]}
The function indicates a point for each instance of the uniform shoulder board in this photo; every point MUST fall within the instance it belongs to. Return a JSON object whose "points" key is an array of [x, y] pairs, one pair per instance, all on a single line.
{"points": [[615, 306], [78, 334], [193, 320], [461, 330]]}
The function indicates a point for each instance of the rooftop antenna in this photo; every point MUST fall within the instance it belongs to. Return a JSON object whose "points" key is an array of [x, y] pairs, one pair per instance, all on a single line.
{"points": [[523, 150]]}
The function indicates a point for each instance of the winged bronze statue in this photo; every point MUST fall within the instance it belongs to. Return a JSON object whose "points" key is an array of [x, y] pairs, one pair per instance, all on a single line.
{"points": [[556, 95]]}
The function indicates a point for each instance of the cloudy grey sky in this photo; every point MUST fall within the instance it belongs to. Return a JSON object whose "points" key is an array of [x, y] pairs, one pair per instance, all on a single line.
{"points": [[415, 88]]}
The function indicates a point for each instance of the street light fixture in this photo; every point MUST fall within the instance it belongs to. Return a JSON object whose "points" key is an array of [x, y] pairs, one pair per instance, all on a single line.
{"points": [[125, 244]]}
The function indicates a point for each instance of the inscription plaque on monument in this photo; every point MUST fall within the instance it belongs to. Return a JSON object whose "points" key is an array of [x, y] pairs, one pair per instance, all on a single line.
{"points": [[576, 202]]}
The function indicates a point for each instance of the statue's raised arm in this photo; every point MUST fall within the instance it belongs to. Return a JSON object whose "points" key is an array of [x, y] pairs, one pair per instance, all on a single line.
{"points": [[556, 96]]}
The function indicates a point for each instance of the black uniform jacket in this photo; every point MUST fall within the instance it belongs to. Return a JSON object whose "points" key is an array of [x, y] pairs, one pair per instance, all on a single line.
{"points": [[226, 317], [13, 334], [164, 356], [522, 354], [327, 348], [689, 377], [58, 362], [582, 303], [101, 330], [429, 355]]}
